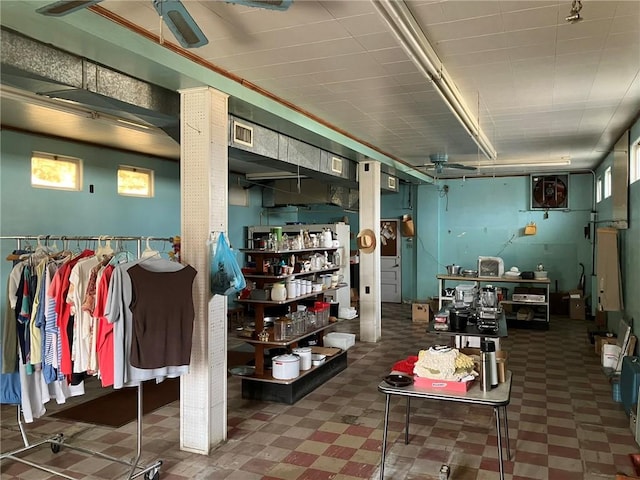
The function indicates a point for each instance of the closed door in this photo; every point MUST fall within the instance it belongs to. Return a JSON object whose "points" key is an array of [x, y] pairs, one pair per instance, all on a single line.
{"points": [[390, 271]]}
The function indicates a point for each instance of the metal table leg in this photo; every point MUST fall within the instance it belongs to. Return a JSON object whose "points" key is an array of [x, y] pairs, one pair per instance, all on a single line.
{"points": [[406, 422], [506, 432], [384, 435], [499, 435]]}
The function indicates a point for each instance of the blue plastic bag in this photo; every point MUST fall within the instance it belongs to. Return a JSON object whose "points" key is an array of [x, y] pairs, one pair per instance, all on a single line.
{"points": [[226, 274]]}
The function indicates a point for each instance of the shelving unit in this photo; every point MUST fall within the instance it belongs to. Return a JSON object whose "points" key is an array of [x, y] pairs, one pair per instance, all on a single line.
{"points": [[539, 320], [261, 385]]}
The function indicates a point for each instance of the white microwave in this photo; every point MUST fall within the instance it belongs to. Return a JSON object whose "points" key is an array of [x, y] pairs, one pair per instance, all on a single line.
{"points": [[490, 267]]}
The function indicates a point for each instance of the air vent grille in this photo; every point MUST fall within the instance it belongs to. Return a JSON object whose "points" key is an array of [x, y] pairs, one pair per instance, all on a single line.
{"points": [[336, 165], [242, 134]]}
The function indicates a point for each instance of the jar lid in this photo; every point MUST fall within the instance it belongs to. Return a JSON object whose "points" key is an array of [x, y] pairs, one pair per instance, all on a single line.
{"points": [[287, 358], [302, 350]]}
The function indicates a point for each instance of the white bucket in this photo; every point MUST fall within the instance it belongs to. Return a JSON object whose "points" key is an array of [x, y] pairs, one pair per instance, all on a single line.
{"points": [[286, 367], [305, 357]]}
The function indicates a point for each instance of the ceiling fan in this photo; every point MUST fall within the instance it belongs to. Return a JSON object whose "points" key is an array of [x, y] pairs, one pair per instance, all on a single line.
{"points": [[173, 12], [440, 161]]}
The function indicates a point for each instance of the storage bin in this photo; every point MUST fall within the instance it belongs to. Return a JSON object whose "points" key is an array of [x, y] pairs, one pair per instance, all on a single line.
{"points": [[615, 384], [629, 382], [339, 340]]}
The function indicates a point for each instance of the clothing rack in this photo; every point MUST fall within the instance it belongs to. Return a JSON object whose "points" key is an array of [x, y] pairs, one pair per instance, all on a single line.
{"points": [[152, 470]]}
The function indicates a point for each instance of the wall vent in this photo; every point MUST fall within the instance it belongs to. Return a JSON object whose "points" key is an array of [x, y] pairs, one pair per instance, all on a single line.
{"points": [[242, 134], [336, 165]]}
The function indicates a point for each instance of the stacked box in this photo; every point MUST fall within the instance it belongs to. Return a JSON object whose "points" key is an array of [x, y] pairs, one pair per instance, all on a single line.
{"points": [[420, 311]]}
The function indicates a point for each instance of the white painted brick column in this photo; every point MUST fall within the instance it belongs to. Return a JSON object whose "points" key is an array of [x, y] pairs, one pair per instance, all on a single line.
{"points": [[204, 195], [370, 295]]}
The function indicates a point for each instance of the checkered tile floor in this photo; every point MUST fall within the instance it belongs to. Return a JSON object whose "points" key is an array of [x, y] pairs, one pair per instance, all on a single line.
{"points": [[563, 423]]}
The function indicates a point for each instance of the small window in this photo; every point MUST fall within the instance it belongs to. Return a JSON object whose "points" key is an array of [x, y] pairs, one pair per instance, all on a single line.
{"points": [[599, 189], [56, 171], [634, 167], [607, 182], [135, 182]]}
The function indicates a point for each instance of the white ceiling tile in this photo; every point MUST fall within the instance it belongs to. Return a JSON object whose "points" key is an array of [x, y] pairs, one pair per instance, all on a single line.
{"points": [[584, 30], [537, 79], [466, 9], [364, 24], [473, 27], [446, 48], [345, 9], [389, 55], [533, 36], [377, 41], [454, 62], [544, 16], [531, 51]]}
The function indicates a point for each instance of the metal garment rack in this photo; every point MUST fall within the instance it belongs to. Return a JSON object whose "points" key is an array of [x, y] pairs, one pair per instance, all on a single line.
{"points": [[151, 471]]}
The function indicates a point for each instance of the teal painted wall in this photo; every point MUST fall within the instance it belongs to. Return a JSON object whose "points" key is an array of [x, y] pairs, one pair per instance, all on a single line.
{"points": [[31, 211], [394, 206], [631, 247], [481, 216], [629, 243], [486, 217], [25, 210]]}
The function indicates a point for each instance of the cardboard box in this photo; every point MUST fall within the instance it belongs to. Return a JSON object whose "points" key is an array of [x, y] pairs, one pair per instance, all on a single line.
{"points": [[601, 319], [603, 340], [577, 310], [420, 311], [501, 360], [446, 385]]}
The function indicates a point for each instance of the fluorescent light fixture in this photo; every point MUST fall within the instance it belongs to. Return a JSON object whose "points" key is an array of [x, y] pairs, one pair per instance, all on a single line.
{"points": [[64, 7], [562, 163], [72, 108], [43, 101], [273, 176], [415, 43], [181, 23]]}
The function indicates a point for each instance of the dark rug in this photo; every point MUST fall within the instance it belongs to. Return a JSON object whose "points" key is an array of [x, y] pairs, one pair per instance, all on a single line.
{"points": [[120, 407], [237, 358]]}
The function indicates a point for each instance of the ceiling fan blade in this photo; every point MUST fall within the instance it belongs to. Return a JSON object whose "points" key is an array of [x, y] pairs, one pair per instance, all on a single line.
{"points": [[64, 7], [270, 4], [459, 166], [181, 23]]}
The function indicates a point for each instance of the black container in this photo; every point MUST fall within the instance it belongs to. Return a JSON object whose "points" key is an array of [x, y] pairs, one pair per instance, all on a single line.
{"points": [[458, 318], [334, 308]]}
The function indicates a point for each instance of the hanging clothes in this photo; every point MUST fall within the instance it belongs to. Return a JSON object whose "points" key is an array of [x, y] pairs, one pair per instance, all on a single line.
{"points": [[163, 315], [9, 382], [118, 313], [69, 316]]}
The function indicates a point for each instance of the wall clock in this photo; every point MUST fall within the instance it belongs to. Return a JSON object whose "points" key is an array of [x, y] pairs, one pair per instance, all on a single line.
{"points": [[549, 192]]}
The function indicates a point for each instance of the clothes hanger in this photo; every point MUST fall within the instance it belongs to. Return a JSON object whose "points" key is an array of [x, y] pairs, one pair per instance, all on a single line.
{"points": [[149, 252]]}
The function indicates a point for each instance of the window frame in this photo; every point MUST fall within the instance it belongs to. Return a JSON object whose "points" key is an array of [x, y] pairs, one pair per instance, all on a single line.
{"points": [[130, 168], [607, 182], [77, 162], [599, 189], [634, 162]]}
